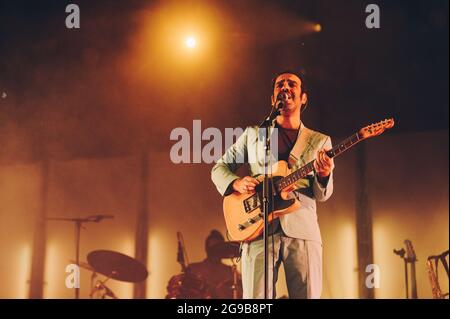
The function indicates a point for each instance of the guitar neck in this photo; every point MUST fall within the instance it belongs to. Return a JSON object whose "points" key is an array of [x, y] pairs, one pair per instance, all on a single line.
{"points": [[411, 258], [302, 172]]}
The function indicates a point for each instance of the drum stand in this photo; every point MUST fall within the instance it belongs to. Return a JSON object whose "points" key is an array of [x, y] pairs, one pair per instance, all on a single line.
{"points": [[78, 222], [100, 290]]}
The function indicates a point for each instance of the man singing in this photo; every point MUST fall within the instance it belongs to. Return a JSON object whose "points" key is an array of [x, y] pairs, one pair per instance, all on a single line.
{"points": [[297, 241]]}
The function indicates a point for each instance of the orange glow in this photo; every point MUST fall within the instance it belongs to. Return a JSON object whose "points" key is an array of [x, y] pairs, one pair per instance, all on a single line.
{"points": [[348, 275], [23, 271], [190, 42], [54, 275], [156, 282], [167, 36]]}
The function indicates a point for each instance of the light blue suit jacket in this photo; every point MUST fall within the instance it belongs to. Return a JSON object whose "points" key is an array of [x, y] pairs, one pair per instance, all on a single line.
{"points": [[249, 149]]}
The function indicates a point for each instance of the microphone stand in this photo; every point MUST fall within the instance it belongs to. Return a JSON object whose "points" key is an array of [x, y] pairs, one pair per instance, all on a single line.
{"points": [[401, 253], [266, 124], [78, 225]]}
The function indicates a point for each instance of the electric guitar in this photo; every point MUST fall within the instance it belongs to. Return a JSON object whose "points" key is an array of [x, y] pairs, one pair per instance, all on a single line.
{"points": [[411, 258], [243, 212]]}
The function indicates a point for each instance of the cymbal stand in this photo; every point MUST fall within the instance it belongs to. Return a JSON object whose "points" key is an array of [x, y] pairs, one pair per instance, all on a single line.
{"points": [[101, 287], [78, 222]]}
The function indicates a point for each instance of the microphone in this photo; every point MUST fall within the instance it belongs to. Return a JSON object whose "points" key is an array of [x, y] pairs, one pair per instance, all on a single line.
{"points": [[276, 108], [400, 252], [97, 218], [281, 100]]}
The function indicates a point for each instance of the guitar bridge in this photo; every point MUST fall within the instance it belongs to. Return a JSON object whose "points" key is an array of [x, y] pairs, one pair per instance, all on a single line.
{"points": [[250, 222]]}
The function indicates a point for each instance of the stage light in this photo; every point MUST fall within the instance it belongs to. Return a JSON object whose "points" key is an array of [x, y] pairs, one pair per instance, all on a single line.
{"points": [[317, 27], [190, 42]]}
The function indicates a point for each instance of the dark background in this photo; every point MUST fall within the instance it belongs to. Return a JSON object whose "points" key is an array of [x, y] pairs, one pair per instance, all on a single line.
{"points": [[67, 95]]}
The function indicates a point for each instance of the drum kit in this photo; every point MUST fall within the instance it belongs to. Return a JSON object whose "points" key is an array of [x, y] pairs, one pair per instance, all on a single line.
{"points": [[190, 285], [186, 285], [117, 266], [112, 265]]}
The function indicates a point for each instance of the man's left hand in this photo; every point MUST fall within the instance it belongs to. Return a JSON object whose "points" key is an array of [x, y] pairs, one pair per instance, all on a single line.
{"points": [[323, 164]]}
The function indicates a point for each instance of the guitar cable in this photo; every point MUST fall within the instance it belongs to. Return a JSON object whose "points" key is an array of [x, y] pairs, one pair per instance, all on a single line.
{"points": [[273, 238], [241, 244], [272, 232]]}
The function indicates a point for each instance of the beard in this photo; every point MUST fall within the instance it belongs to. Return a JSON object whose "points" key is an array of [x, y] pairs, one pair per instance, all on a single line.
{"points": [[291, 107]]}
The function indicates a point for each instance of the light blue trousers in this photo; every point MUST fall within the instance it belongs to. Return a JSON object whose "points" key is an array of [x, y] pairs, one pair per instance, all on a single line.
{"points": [[302, 261]]}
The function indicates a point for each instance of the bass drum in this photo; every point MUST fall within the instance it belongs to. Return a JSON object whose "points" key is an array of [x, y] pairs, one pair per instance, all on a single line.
{"points": [[187, 286]]}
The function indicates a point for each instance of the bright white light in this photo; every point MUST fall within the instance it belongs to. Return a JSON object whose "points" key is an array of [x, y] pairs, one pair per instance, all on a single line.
{"points": [[190, 42]]}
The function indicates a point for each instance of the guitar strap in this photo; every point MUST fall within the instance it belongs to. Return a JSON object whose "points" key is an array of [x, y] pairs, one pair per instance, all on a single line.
{"points": [[301, 146]]}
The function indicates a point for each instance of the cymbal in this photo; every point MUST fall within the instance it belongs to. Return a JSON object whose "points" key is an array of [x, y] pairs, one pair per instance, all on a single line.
{"points": [[117, 266], [229, 249]]}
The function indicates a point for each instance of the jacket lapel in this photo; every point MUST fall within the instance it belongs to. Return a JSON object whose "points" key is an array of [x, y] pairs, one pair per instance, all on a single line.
{"points": [[301, 147]]}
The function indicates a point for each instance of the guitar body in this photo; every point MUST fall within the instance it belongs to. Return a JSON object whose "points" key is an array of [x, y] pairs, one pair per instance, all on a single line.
{"points": [[243, 212]]}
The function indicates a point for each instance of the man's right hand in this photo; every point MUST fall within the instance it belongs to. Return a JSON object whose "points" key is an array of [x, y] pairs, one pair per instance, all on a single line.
{"points": [[244, 185]]}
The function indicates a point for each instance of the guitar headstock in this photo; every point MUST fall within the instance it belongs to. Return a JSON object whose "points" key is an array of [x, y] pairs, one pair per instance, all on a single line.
{"points": [[410, 253], [376, 129]]}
